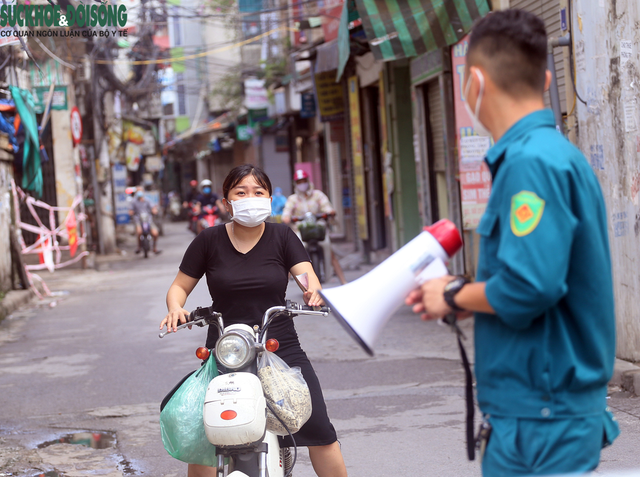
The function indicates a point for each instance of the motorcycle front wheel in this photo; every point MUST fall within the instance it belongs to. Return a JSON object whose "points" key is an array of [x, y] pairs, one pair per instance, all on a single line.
{"points": [[145, 246], [318, 265]]}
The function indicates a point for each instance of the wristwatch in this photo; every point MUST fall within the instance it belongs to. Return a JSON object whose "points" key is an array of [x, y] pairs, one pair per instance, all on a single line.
{"points": [[451, 289]]}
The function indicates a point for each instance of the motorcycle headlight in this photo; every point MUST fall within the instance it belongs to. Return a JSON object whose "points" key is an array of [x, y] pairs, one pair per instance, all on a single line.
{"points": [[234, 350]]}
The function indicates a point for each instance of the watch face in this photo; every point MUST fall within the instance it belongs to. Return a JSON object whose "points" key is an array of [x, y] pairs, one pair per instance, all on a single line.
{"points": [[455, 283]]}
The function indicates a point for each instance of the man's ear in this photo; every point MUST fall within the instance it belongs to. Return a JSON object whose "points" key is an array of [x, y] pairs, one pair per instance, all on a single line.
{"points": [[547, 80]]}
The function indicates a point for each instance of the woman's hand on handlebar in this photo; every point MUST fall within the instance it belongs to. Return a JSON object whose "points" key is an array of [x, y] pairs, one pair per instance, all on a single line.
{"points": [[174, 318], [313, 298]]}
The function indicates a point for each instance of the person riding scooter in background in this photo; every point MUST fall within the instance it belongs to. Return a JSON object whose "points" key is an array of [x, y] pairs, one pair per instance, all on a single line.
{"points": [[191, 194], [205, 198], [189, 201], [308, 199], [139, 206]]}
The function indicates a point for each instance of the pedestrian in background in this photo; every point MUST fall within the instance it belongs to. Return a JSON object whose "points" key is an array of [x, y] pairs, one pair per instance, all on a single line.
{"points": [[277, 202], [543, 299]]}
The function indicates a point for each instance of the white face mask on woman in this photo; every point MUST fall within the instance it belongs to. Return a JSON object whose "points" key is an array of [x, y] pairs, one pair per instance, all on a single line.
{"points": [[303, 187], [252, 211]]}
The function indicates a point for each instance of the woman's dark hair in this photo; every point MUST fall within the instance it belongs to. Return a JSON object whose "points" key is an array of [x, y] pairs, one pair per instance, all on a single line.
{"points": [[238, 173]]}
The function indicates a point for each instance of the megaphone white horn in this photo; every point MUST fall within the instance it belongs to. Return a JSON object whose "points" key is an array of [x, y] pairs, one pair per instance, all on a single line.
{"points": [[365, 305]]}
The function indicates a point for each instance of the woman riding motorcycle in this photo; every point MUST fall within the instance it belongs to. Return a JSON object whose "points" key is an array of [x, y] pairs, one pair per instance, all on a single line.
{"points": [[247, 263]]}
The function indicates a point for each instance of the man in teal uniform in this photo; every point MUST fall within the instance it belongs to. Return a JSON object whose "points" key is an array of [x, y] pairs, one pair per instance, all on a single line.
{"points": [[543, 299]]}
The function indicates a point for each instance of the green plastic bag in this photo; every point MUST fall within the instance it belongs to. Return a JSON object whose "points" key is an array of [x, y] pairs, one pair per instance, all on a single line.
{"points": [[181, 420]]}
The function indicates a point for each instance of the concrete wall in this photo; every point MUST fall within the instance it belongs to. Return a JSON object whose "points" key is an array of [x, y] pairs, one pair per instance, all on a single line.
{"points": [[219, 63], [606, 47], [276, 165], [64, 159]]}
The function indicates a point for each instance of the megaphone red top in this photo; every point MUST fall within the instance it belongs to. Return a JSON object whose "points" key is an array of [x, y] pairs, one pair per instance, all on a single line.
{"points": [[447, 235]]}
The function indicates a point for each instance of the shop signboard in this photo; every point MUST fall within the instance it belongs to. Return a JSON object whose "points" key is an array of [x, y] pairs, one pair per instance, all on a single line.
{"points": [[330, 96], [308, 105], [331, 19], [358, 160], [243, 132], [475, 178], [255, 94], [41, 97], [119, 174], [387, 171]]}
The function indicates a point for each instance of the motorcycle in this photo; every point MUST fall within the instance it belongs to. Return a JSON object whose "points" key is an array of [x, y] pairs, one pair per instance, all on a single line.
{"points": [[195, 210], [235, 407], [313, 230], [175, 207], [145, 236], [209, 217]]}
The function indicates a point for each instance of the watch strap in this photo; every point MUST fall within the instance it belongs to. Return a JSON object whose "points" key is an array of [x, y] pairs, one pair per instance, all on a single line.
{"points": [[450, 294]]}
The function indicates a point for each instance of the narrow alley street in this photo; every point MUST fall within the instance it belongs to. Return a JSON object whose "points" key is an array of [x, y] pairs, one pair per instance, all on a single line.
{"points": [[91, 368]]}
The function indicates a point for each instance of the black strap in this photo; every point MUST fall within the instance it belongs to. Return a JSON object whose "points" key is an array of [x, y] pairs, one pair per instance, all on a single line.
{"points": [[471, 443], [452, 321]]}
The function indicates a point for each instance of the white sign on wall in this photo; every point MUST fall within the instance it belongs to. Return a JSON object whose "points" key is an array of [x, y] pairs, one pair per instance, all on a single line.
{"points": [[255, 94]]}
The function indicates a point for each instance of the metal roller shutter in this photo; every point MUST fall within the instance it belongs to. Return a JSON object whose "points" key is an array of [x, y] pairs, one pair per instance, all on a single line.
{"points": [[549, 11], [436, 120]]}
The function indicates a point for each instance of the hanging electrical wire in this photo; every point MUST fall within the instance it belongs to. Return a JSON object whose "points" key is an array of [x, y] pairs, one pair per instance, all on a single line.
{"points": [[198, 55]]}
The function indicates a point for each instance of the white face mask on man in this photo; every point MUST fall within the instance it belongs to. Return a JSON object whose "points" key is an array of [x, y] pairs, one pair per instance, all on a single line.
{"points": [[251, 211], [478, 127]]}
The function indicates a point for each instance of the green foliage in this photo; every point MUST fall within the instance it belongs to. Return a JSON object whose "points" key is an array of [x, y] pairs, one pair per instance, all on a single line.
{"points": [[273, 70], [222, 6], [227, 91]]}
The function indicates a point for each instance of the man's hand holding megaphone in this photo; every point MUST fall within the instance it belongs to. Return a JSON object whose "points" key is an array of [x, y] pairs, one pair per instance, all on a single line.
{"points": [[429, 299]]}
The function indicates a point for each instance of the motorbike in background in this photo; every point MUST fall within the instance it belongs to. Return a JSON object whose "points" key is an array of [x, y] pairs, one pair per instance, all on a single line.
{"points": [[235, 407], [313, 230], [145, 235], [194, 213], [209, 217], [175, 207]]}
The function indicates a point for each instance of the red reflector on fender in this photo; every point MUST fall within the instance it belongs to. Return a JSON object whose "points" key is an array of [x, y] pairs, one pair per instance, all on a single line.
{"points": [[228, 415]]}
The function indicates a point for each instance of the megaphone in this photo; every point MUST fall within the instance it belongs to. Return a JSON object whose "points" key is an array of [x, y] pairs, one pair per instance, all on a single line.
{"points": [[386, 286]]}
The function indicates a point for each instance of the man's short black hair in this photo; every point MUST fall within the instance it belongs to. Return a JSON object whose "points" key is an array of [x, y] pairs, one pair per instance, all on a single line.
{"points": [[512, 47]]}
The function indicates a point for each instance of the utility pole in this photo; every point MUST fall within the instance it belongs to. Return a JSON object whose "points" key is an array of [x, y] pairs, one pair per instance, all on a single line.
{"points": [[97, 142], [104, 219]]}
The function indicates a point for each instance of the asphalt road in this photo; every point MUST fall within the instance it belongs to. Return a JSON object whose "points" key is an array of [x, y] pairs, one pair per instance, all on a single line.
{"points": [[90, 364]]}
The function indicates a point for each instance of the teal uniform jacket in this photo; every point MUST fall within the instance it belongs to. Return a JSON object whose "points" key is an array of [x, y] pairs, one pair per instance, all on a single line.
{"points": [[549, 350]]}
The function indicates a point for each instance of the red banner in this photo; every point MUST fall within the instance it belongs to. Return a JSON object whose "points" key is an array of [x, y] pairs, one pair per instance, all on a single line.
{"points": [[72, 230], [475, 178]]}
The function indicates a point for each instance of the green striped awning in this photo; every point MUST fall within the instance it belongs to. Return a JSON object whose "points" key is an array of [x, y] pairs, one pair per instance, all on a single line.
{"points": [[404, 28]]}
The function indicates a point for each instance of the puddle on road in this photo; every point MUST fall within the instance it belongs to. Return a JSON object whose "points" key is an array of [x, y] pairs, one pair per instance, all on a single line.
{"points": [[95, 440]]}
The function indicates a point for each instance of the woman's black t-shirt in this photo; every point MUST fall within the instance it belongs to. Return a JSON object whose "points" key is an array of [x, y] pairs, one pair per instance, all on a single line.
{"points": [[244, 286]]}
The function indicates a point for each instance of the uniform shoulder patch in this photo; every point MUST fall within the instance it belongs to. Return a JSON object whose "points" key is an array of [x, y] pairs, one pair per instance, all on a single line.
{"points": [[526, 212]]}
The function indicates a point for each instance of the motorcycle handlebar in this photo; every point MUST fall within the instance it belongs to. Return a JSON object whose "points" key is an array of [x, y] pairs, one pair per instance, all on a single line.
{"points": [[207, 316], [321, 309], [317, 216], [199, 317]]}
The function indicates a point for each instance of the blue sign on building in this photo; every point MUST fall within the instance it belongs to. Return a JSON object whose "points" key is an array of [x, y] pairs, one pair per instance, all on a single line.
{"points": [[308, 105]]}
